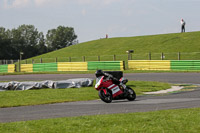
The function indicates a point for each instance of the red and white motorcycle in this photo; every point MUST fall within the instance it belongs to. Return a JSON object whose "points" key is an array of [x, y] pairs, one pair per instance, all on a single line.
{"points": [[109, 91]]}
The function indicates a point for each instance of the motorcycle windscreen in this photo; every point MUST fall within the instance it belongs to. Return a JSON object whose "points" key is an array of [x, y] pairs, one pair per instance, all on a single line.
{"points": [[98, 81]]}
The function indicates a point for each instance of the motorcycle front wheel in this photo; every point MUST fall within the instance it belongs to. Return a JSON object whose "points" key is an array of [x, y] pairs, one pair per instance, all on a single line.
{"points": [[132, 95], [107, 98]]}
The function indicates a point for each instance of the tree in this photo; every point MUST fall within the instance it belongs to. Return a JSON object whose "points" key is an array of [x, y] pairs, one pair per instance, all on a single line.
{"points": [[60, 37], [41, 47], [28, 40], [5, 44]]}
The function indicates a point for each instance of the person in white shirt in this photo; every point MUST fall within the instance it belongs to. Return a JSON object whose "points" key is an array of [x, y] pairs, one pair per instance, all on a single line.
{"points": [[182, 25]]}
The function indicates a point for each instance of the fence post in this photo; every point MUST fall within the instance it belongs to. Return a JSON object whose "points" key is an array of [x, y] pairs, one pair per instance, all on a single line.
{"points": [[15, 68], [40, 60], [131, 56], [83, 58], [69, 59], [179, 55], [124, 66], [128, 56], [149, 55], [162, 56], [114, 57], [98, 58], [32, 61], [56, 59], [19, 65]]}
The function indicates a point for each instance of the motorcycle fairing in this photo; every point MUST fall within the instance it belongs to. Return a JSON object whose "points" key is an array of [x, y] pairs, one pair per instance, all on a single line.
{"points": [[115, 90]]}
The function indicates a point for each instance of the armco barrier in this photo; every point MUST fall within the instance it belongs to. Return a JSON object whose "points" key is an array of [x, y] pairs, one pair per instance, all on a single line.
{"points": [[26, 67], [3, 68], [45, 67], [7, 68], [11, 68], [105, 65], [149, 64], [185, 65], [72, 66]]}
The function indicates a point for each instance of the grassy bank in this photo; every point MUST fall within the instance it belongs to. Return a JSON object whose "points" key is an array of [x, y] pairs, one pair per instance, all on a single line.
{"points": [[45, 96], [169, 121], [170, 44]]}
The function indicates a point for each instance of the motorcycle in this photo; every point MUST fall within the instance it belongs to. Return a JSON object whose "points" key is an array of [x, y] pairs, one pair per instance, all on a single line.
{"points": [[109, 91]]}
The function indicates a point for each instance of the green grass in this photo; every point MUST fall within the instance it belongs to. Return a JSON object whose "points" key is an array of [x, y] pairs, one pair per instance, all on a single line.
{"points": [[45, 96], [168, 121], [170, 44]]}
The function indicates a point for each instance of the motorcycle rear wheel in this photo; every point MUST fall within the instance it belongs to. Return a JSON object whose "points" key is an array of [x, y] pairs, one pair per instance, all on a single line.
{"points": [[107, 98], [132, 95]]}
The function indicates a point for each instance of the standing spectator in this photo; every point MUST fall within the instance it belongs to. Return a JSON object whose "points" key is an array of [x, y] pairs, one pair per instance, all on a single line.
{"points": [[106, 36], [182, 25]]}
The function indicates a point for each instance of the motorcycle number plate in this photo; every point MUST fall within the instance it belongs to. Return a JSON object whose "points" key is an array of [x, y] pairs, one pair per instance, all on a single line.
{"points": [[115, 89]]}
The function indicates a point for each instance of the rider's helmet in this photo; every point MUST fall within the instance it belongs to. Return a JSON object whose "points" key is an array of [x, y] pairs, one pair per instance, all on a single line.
{"points": [[99, 73]]}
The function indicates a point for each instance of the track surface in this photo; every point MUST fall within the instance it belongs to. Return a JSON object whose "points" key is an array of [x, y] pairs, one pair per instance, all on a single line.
{"points": [[142, 103], [164, 77]]}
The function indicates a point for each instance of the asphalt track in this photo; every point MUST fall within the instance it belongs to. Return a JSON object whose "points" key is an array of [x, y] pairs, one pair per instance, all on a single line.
{"points": [[193, 78], [141, 104]]}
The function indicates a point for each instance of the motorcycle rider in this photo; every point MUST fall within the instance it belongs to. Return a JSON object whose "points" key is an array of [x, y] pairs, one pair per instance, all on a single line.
{"points": [[108, 76]]}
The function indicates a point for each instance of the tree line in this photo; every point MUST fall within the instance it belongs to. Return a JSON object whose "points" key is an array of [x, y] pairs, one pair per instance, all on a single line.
{"points": [[27, 39]]}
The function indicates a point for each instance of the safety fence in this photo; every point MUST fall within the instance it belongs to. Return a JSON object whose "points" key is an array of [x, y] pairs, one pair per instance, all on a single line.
{"points": [[186, 65], [117, 57], [73, 66]]}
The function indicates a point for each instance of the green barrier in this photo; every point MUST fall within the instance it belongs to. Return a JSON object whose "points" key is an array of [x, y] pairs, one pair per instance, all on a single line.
{"points": [[104, 65], [185, 65], [45, 67], [3, 68]]}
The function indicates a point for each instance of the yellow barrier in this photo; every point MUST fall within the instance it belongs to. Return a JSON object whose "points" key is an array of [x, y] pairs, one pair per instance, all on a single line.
{"points": [[121, 66], [26, 67], [72, 66], [11, 68], [149, 64]]}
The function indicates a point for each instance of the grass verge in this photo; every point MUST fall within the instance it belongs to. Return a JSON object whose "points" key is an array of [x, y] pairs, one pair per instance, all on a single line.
{"points": [[45, 96], [169, 121]]}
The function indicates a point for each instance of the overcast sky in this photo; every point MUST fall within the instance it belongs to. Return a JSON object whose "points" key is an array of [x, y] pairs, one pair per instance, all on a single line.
{"points": [[93, 19]]}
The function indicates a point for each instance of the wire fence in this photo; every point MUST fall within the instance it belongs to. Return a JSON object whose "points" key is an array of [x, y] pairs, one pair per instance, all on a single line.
{"points": [[123, 57]]}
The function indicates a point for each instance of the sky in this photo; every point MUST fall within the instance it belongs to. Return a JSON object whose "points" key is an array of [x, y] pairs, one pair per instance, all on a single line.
{"points": [[93, 19]]}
